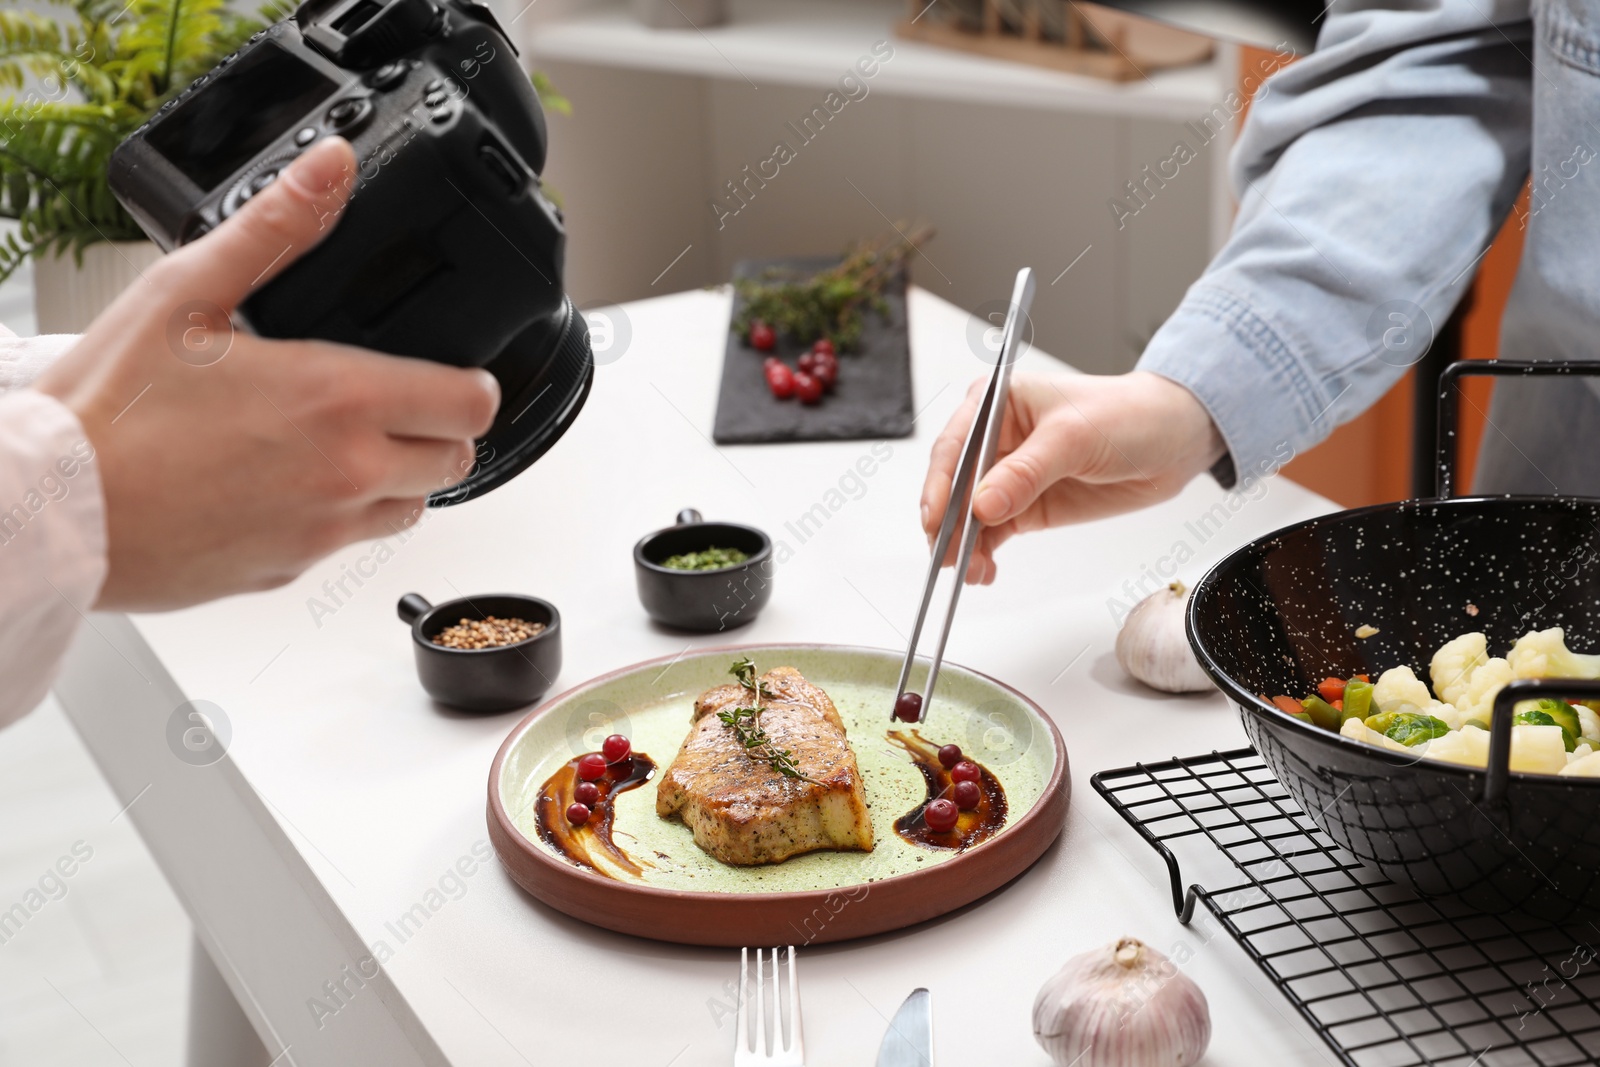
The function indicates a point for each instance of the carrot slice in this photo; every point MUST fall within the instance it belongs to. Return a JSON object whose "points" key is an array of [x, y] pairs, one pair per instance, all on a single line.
{"points": [[1288, 705], [1331, 689]]}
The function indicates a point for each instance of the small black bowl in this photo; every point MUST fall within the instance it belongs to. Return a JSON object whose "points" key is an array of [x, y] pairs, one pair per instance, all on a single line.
{"points": [[703, 601], [484, 679]]}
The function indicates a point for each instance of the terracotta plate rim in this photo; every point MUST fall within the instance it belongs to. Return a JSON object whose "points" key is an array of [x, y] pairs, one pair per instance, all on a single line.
{"points": [[947, 869]]}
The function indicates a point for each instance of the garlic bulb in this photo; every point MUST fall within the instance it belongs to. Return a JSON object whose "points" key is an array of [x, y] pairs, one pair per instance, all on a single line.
{"points": [[1153, 647], [1122, 1005]]}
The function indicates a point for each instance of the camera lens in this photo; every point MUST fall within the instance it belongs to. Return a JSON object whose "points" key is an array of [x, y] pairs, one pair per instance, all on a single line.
{"points": [[545, 374]]}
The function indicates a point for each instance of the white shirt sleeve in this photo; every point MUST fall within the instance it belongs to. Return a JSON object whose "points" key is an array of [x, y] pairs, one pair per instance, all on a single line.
{"points": [[52, 525], [22, 359]]}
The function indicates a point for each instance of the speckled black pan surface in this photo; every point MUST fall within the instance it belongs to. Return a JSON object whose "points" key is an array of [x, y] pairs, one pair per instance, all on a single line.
{"points": [[1280, 614]]}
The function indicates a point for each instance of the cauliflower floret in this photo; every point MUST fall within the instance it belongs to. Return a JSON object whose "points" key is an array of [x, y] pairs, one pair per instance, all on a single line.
{"points": [[1400, 685], [1540, 749], [1447, 714], [1452, 666], [1399, 689], [1544, 654], [1487, 681], [1468, 745], [1588, 721], [1583, 767]]}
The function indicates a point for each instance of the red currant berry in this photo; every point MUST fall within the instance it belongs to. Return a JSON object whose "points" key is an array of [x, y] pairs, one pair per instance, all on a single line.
{"points": [[577, 814], [941, 815], [966, 795], [824, 345], [825, 369], [616, 748], [807, 388], [586, 793], [780, 380], [763, 338], [591, 767], [908, 707], [966, 771], [808, 361], [949, 756]]}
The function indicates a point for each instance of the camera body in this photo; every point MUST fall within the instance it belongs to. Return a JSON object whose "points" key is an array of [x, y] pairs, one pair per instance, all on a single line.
{"points": [[447, 250]]}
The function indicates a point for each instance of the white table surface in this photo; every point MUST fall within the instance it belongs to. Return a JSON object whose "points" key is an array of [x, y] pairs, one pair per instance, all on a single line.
{"points": [[347, 794]]}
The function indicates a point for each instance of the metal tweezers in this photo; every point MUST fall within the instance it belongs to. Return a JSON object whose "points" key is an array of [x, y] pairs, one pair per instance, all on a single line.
{"points": [[977, 456]]}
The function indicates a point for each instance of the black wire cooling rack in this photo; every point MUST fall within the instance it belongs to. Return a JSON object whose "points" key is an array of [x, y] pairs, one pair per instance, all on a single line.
{"points": [[1386, 979]]}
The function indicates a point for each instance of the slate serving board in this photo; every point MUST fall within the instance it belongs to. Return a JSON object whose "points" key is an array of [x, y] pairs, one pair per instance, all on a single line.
{"points": [[871, 400]]}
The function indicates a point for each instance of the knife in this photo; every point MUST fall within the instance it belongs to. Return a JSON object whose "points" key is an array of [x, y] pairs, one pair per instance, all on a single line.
{"points": [[909, 1040]]}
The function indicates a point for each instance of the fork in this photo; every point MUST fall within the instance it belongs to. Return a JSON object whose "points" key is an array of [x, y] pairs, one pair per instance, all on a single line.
{"points": [[769, 1048]]}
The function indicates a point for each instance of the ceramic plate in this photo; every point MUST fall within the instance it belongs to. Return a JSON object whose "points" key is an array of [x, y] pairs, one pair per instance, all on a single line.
{"points": [[682, 894]]}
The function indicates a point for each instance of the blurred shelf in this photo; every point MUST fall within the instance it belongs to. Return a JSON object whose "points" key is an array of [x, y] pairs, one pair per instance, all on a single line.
{"points": [[813, 43]]}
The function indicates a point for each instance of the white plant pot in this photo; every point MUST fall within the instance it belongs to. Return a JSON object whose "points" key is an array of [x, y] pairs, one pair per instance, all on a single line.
{"points": [[67, 297]]}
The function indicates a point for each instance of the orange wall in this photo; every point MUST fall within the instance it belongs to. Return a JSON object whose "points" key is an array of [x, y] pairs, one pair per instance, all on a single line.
{"points": [[1368, 460]]}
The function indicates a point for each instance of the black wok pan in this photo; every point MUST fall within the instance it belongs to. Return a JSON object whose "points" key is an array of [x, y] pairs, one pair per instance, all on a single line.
{"points": [[1280, 614]]}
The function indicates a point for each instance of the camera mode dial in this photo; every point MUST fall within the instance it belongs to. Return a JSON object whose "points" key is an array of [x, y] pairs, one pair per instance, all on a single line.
{"points": [[252, 182]]}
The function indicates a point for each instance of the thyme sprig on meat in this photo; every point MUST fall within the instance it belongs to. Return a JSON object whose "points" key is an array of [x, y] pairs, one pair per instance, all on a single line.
{"points": [[745, 722]]}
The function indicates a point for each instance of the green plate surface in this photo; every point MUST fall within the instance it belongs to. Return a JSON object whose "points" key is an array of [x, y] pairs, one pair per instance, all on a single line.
{"points": [[651, 704]]}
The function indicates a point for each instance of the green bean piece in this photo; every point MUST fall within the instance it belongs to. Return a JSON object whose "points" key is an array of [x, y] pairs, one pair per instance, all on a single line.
{"points": [[1322, 713], [1357, 701]]}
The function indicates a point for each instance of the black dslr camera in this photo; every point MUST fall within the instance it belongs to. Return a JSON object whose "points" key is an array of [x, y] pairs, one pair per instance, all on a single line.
{"points": [[448, 249]]}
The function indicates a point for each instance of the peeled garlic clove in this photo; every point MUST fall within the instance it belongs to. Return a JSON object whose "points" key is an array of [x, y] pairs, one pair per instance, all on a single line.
{"points": [[1122, 1005], [1153, 647]]}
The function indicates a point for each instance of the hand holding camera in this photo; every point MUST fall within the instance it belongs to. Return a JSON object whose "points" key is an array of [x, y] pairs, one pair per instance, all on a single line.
{"points": [[230, 462], [448, 250]]}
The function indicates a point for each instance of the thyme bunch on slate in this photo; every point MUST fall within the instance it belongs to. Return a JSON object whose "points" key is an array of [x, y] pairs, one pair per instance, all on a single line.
{"points": [[745, 722], [832, 303]]}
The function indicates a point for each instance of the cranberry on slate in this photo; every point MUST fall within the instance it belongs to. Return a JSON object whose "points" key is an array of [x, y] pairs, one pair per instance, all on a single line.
{"points": [[780, 380], [807, 388], [825, 369]]}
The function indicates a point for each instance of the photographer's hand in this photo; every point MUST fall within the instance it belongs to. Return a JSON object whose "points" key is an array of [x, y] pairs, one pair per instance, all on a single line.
{"points": [[234, 475], [1073, 447]]}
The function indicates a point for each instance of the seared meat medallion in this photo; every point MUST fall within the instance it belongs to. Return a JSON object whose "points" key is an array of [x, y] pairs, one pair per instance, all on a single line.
{"points": [[744, 811]]}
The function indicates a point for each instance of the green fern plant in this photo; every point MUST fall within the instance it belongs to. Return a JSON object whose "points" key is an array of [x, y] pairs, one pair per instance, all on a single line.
{"points": [[79, 85]]}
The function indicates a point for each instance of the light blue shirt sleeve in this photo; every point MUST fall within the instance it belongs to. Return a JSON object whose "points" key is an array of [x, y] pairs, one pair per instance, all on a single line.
{"points": [[1371, 175]]}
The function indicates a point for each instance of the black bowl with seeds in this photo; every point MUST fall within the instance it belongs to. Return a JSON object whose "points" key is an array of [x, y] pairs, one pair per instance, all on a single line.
{"points": [[485, 653]]}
